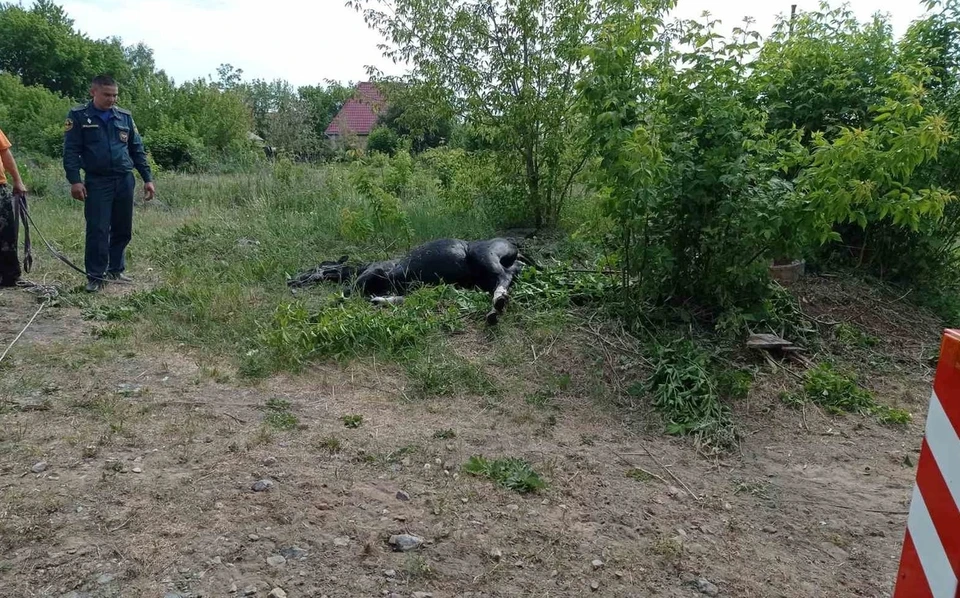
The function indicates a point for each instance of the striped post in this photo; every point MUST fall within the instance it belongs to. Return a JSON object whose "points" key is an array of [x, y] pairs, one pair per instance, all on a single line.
{"points": [[930, 561]]}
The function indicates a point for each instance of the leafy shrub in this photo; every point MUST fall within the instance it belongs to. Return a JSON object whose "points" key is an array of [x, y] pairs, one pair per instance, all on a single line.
{"points": [[778, 312], [173, 147], [511, 473], [687, 393], [32, 117], [710, 166], [381, 218], [383, 140], [687, 174]]}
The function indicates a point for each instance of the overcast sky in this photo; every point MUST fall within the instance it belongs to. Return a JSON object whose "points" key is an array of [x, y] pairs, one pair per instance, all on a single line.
{"points": [[306, 41]]}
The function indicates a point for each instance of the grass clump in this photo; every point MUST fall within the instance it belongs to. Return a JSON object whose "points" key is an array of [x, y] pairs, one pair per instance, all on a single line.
{"points": [[352, 327], [511, 473], [853, 336], [438, 372], [352, 421], [838, 392], [279, 416]]}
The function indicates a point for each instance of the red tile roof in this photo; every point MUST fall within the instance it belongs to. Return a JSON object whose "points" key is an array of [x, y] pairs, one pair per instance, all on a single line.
{"points": [[358, 114]]}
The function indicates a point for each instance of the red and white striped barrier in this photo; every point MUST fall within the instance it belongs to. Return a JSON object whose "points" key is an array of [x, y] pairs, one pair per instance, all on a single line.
{"points": [[930, 561]]}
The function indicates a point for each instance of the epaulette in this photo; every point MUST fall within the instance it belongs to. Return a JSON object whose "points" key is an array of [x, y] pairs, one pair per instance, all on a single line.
{"points": [[123, 111], [78, 108]]}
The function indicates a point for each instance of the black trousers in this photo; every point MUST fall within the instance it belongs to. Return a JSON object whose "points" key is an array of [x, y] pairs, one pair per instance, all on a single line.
{"points": [[9, 236], [108, 210]]}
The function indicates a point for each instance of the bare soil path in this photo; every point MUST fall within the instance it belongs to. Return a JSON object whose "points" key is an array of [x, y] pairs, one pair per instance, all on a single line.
{"points": [[151, 455]]}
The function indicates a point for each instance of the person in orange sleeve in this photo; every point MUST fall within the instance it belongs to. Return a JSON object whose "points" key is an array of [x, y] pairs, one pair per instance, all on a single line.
{"points": [[9, 225]]}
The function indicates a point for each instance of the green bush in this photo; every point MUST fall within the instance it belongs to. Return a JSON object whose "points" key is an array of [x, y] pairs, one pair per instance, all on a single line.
{"points": [[173, 147], [32, 117], [383, 140]]}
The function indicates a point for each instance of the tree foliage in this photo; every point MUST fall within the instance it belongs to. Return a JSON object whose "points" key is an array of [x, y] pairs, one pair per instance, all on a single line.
{"points": [[40, 46], [506, 68], [713, 163]]}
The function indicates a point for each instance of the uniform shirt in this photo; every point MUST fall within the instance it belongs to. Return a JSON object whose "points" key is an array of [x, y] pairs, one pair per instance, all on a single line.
{"points": [[102, 143], [4, 145]]}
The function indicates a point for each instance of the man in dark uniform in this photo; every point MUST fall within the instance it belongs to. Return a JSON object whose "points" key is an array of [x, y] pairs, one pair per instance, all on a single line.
{"points": [[103, 140]]}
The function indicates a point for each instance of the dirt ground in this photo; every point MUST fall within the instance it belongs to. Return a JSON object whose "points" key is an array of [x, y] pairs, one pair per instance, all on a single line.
{"points": [[151, 455]]}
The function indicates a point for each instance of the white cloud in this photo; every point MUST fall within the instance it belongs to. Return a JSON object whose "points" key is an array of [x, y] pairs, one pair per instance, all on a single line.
{"points": [[306, 42]]}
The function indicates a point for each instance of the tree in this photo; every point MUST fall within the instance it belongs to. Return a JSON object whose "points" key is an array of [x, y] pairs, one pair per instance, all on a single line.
{"points": [[228, 77], [416, 118], [40, 46], [823, 70], [147, 92], [324, 102], [506, 67]]}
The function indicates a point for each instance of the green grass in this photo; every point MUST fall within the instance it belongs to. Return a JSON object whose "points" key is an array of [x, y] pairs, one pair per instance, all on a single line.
{"points": [[511, 473], [438, 372], [279, 417], [215, 251], [352, 421], [853, 336], [689, 394], [838, 392]]}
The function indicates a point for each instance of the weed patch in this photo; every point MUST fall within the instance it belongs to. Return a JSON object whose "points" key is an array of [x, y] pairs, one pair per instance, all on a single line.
{"points": [[512, 473], [279, 416], [838, 392], [559, 287], [853, 336], [639, 475], [352, 421], [330, 444], [352, 328], [688, 395]]}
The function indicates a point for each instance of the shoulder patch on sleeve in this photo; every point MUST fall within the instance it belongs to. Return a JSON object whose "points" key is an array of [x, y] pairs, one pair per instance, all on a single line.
{"points": [[68, 125]]}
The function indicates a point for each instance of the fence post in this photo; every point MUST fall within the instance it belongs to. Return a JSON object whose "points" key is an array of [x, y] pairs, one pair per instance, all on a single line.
{"points": [[930, 559]]}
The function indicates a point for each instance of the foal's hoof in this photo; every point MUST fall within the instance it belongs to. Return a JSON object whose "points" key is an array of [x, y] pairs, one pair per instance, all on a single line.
{"points": [[499, 303], [493, 317]]}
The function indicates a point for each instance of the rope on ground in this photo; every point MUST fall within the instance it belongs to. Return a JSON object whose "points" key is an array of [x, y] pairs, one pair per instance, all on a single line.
{"points": [[42, 305], [47, 292]]}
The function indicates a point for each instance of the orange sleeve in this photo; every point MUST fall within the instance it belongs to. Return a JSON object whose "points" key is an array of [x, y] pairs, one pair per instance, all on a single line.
{"points": [[4, 142]]}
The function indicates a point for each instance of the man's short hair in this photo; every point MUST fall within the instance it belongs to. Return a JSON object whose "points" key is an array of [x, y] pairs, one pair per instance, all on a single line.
{"points": [[104, 81]]}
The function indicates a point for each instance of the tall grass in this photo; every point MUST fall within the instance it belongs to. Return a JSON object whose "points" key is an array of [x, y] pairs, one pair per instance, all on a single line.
{"points": [[213, 253]]}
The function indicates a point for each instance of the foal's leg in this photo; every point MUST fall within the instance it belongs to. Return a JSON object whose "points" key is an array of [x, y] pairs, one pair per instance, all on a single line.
{"points": [[494, 265], [498, 285]]}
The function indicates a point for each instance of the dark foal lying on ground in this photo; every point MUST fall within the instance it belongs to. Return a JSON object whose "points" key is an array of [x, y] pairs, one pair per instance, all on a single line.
{"points": [[489, 265]]}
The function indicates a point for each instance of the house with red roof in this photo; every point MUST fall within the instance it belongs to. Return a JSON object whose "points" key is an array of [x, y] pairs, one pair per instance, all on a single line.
{"points": [[358, 116]]}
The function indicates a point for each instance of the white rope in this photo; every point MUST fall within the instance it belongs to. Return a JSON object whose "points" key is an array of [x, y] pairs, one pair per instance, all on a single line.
{"points": [[42, 305]]}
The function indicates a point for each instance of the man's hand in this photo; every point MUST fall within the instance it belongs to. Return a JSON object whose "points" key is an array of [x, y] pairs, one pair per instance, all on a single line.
{"points": [[19, 188], [78, 191], [148, 191]]}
